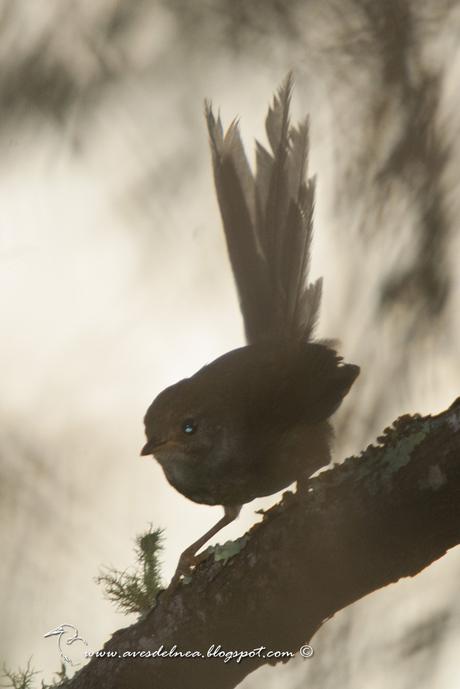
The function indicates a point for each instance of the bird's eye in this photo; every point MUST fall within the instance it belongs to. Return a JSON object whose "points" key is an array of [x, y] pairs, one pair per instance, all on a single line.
{"points": [[189, 426]]}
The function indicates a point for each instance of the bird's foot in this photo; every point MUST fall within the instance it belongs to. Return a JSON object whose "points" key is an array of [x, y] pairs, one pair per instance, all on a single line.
{"points": [[187, 561]]}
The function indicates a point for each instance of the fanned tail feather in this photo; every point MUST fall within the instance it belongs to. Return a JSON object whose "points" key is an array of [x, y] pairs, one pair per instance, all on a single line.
{"points": [[268, 222]]}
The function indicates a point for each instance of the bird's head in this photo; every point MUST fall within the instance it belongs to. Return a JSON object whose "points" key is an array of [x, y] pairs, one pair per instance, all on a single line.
{"points": [[180, 422], [62, 629]]}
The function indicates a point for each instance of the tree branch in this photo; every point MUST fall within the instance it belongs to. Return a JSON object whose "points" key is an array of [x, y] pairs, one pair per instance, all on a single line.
{"points": [[358, 527]]}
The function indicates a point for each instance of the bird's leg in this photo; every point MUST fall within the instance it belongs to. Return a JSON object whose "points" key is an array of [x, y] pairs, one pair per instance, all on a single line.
{"points": [[188, 557]]}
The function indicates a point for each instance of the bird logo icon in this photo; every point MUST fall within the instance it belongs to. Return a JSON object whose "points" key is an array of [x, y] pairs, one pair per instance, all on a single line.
{"points": [[67, 636]]}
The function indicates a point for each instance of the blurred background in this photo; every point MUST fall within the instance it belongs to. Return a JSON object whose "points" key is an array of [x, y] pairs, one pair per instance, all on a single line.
{"points": [[114, 282]]}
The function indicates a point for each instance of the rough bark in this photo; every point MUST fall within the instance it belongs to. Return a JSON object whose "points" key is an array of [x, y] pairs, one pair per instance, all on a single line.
{"points": [[359, 526]]}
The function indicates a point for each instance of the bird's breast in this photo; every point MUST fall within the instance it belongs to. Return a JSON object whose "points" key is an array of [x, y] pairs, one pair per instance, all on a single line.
{"points": [[237, 474]]}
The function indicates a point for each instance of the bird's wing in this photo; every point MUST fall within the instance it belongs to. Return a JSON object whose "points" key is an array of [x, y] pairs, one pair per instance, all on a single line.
{"points": [[323, 381], [267, 221], [303, 383]]}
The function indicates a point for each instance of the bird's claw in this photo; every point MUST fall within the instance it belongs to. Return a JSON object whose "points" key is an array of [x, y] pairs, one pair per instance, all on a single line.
{"points": [[187, 561]]}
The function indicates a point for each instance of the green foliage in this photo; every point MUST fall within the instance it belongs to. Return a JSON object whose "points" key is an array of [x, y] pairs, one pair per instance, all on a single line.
{"points": [[136, 591], [61, 681], [22, 679], [132, 592]]}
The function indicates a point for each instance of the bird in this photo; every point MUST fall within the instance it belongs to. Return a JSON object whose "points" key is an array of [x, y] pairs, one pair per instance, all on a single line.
{"points": [[256, 419]]}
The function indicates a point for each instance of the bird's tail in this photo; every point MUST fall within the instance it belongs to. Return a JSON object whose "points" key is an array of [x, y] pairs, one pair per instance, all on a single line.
{"points": [[267, 219]]}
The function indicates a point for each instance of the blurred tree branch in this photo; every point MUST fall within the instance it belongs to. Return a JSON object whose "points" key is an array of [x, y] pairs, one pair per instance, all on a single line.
{"points": [[358, 527]]}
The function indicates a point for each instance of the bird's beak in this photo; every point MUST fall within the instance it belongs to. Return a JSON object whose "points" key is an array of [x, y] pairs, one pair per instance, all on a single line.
{"points": [[153, 444], [53, 632]]}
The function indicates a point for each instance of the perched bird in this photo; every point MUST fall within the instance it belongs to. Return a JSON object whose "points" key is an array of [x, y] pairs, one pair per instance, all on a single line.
{"points": [[256, 419]]}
